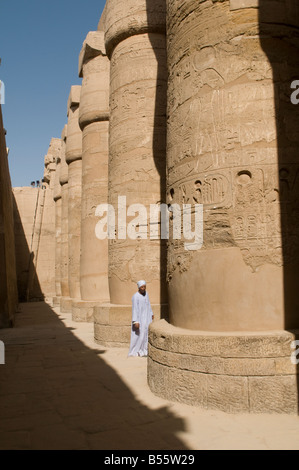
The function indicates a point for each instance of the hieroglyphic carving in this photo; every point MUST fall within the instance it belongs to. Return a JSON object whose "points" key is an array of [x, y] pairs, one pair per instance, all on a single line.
{"points": [[136, 46], [222, 132]]}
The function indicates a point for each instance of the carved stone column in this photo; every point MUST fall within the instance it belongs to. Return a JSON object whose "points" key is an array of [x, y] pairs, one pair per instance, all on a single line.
{"points": [[73, 157], [41, 275], [94, 68], [65, 301], [135, 44], [225, 140], [57, 196]]}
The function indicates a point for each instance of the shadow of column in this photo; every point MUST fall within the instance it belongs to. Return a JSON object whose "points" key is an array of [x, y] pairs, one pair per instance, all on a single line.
{"points": [[279, 38], [156, 15]]}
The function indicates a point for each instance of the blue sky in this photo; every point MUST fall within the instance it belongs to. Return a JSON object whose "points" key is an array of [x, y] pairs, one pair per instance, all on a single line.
{"points": [[40, 42]]}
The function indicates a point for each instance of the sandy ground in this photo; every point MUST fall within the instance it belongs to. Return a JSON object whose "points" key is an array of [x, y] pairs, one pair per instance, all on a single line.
{"points": [[61, 390]]}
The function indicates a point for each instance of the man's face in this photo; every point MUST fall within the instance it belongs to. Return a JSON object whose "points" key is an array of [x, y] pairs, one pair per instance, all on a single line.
{"points": [[142, 289]]}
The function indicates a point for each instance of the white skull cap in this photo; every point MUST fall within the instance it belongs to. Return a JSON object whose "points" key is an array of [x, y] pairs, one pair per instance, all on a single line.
{"points": [[141, 283]]}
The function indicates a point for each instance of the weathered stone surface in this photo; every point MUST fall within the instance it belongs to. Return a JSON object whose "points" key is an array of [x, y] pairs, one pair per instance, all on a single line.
{"points": [[108, 314], [224, 366], [112, 336], [82, 311], [136, 141], [25, 201], [232, 147], [35, 242], [64, 174], [58, 210], [231, 372], [73, 156], [133, 17], [158, 378], [66, 305], [227, 393], [223, 152], [273, 394], [57, 185], [74, 226], [101, 23], [135, 45], [50, 162], [232, 345], [112, 323], [240, 4], [57, 196], [94, 67], [63, 178]]}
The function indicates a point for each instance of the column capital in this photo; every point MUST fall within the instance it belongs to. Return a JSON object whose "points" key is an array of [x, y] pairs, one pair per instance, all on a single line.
{"points": [[50, 158], [74, 97], [93, 46], [63, 175], [130, 18]]}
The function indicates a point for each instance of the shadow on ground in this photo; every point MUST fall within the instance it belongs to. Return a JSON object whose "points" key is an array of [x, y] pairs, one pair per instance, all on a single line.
{"points": [[57, 393]]}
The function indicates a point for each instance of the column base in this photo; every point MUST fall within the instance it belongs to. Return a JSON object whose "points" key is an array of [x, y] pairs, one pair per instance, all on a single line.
{"points": [[65, 304], [112, 323], [83, 310], [49, 300], [56, 301], [232, 372]]}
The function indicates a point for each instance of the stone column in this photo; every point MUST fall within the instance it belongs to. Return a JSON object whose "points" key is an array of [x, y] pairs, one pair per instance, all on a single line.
{"points": [[50, 162], [135, 43], [94, 68], [223, 152], [41, 269], [57, 196], [45, 268], [65, 301], [73, 157]]}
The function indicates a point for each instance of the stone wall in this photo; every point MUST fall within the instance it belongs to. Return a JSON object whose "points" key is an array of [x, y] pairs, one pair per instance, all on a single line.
{"points": [[8, 283], [35, 235]]}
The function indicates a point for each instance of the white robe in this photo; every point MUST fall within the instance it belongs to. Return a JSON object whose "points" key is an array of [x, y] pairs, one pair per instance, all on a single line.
{"points": [[141, 313]]}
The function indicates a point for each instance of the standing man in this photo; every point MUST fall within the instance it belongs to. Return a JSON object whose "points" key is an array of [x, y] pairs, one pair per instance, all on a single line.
{"points": [[142, 316]]}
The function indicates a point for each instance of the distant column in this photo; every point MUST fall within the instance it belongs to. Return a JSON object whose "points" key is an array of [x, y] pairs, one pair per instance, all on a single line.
{"points": [[65, 302], [73, 157], [57, 196], [232, 148], [50, 162]]}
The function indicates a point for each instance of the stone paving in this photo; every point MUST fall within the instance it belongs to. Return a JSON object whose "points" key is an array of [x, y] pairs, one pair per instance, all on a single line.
{"points": [[61, 390]]}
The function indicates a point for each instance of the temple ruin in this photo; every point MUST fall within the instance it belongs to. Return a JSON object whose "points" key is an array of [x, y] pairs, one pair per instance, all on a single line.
{"points": [[182, 104]]}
